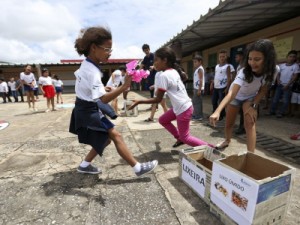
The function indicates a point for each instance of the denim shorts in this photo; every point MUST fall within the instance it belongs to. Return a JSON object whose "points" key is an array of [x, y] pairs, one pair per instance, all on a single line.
{"points": [[239, 103]]}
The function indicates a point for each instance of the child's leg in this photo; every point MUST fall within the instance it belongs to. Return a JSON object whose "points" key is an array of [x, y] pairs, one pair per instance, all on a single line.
{"points": [[52, 103], [92, 153], [28, 98], [165, 121], [153, 110], [183, 124], [121, 147], [31, 98], [48, 103], [61, 98]]}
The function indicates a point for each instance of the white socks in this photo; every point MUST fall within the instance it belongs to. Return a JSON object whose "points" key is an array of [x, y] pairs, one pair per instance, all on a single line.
{"points": [[137, 167], [84, 164]]}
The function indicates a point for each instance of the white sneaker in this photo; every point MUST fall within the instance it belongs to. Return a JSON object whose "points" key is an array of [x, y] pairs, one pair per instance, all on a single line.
{"points": [[35, 109], [47, 110]]}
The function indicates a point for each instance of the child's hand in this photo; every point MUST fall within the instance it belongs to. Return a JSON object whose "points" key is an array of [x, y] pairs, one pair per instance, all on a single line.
{"points": [[134, 104], [214, 118], [151, 87]]}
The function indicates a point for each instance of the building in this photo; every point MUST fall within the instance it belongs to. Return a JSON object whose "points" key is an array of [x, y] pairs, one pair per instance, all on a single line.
{"points": [[235, 23], [65, 70]]}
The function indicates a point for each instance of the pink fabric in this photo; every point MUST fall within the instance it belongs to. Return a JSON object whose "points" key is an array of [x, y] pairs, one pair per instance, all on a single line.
{"points": [[183, 124]]}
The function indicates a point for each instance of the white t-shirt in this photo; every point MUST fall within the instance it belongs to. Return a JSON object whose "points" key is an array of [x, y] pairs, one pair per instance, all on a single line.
{"points": [[12, 85], [117, 80], [247, 90], [170, 82], [88, 85], [57, 83], [220, 80], [196, 80], [45, 81], [287, 72], [3, 87], [28, 78]]}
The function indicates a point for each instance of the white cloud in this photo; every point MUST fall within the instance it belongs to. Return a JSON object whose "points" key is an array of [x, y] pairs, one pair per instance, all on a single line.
{"points": [[45, 30]]}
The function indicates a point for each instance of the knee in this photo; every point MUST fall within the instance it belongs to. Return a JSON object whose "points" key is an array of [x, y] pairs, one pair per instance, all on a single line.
{"points": [[115, 135], [248, 123], [161, 120]]}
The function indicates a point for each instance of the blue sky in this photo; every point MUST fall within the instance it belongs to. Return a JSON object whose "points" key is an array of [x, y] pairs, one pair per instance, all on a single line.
{"points": [[44, 31]]}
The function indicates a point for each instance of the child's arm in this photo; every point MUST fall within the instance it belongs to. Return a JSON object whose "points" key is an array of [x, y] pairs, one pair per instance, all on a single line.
{"points": [[160, 94], [228, 98]]}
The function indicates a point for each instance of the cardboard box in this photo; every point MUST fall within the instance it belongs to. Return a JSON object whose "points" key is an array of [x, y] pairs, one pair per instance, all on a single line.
{"points": [[251, 189], [133, 112], [195, 169], [221, 215]]}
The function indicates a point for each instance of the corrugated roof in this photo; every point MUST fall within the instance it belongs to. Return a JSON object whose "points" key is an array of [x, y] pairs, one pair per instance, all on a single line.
{"points": [[232, 19]]}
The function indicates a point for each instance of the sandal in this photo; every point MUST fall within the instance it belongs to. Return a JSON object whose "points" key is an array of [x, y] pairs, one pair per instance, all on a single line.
{"points": [[178, 143], [148, 120], [223, 145]]}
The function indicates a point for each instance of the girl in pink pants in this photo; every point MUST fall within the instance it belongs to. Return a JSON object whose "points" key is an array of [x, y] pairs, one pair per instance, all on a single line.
{"points": [[169, 81]]}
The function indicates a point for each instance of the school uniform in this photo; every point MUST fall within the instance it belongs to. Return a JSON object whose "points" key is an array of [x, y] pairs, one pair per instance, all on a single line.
{"points": [[47, 86], [87, 120]]}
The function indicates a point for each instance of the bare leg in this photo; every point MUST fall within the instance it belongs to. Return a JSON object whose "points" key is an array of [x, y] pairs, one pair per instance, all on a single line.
{"points": [[231, 113], [250, 127], [92, 153], [61, 98], [153, 110], [114, 104], [31, 98], [48, 103], [121, 147], [52, 102], [28, 99]]}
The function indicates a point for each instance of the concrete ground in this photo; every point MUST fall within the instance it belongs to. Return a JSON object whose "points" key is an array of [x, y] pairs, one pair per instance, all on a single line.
{"points": [[40, 185]]}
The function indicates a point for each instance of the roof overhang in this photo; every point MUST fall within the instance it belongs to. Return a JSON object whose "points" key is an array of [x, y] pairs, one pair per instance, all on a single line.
{"points": [[232, 19]]}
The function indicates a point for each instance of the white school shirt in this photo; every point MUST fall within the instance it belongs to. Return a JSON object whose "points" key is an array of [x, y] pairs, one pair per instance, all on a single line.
{"points": [[45, 81], [3, 87], [287, 72], [220, 80], [247, 90], [88, 85], [57, 83], [117, 79], [28, 78], [196, 80], [12, 85], [170, 82]]}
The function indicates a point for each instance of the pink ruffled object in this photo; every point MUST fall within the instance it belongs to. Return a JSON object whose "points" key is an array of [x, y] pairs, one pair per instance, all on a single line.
{"points": [[137, 75]]}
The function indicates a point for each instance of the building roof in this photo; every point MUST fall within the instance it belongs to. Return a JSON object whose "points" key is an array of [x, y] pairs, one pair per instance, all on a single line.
{"points": [[232, 19]]}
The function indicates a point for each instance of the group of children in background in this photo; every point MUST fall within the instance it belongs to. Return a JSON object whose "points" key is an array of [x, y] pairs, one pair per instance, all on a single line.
{"points": [[49, 87]]}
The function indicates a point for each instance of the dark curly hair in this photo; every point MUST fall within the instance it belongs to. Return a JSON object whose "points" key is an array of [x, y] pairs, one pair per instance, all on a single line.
{"points": [[266, 47], [96, 35]]}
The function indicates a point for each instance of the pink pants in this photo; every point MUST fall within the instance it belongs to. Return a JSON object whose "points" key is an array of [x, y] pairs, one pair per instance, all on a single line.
{"points": [[183, 124]]}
